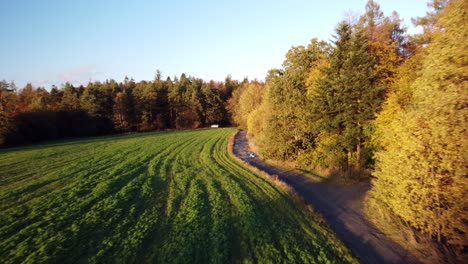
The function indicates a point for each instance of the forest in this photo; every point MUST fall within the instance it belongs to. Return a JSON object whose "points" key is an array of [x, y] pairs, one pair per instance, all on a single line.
{"points": [[376, 102], [35, 114]]}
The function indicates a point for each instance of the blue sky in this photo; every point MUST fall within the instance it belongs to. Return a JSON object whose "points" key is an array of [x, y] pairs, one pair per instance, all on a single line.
{"points": [[54, 41]]}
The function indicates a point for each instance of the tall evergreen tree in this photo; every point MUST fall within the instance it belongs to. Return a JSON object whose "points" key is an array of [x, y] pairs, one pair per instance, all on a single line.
{"points": [[348, 97], [92, 100], [70, 100]]}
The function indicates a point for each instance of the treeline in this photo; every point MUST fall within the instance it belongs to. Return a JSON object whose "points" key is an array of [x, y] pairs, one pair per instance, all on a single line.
{"points": [[318, 110], [376, 102], [34, 114]]}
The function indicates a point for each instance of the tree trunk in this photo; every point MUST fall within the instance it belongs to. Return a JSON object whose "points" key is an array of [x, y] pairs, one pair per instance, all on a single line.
{"points": [[350, 162], [358, 155]]}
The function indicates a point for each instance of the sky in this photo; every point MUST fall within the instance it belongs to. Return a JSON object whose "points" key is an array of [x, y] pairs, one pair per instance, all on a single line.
{"points": [[51, 42]]}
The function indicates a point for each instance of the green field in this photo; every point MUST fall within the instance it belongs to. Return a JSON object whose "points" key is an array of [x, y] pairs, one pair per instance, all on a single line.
{"points": [[169, 197]]}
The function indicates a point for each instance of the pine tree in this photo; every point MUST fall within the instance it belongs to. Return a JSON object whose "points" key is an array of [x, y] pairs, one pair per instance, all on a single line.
{"points": [[92, 100], [70, 100], [348, 96]]}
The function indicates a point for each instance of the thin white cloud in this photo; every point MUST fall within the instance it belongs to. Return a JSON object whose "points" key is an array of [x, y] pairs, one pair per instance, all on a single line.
{"points": [[79, 75], [39, 82]]}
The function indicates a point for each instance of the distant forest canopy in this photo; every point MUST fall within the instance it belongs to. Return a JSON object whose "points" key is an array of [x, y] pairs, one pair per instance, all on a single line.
{"points": [[378, 102], [33, 114]]}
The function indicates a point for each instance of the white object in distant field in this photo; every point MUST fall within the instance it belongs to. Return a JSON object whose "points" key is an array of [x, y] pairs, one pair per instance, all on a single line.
{"points": [[214, 126]]}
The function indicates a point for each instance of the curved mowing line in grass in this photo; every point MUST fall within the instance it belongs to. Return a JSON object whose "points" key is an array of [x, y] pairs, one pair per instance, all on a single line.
{"points": [[172, 197]]}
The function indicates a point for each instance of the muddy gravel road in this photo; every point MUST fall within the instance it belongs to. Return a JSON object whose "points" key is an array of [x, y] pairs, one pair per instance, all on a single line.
{"points": [[341, 206]]}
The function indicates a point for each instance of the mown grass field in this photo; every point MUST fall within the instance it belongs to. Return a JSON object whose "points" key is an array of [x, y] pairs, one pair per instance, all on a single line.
{"points": [[170, 197]]}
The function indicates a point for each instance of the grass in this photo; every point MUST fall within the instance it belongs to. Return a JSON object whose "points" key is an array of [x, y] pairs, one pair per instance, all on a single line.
{"points": [[168, 197]]}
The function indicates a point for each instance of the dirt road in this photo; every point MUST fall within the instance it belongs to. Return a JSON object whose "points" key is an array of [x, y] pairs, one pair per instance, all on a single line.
{"points": [[341, 206]]}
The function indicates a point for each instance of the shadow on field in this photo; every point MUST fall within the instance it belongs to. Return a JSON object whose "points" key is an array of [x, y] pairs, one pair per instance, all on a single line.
{"points": [[341, 206], [91, 139]]}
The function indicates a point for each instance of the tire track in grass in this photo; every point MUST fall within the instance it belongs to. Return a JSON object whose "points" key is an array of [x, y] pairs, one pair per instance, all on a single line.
{"points": [[221, 184], [159, 197], [156, 213], [162, 229], [188, 228], [48, 210], [21, 194], [194, 215], [220, 238], [93, 217], [39, 211], [250, 225], [176, 174], [128, 239]]}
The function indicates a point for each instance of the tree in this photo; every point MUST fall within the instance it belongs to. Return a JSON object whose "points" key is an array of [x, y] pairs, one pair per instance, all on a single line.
{"points": [[289, 129], [25, 98], [386, 39], [55, 99], [8, 109], [92, 101], [348, 97], [195, 107], [70, 100], [162, 105], [123, 110], [213, 107], [250, 96], [429, 22], [184, 103], [158, 76], [421, 170], [40, 100]]}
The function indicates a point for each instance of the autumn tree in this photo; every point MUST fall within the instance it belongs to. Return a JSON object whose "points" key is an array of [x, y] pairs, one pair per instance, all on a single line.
{"points": [[421, 170], [35, 114], [123, 110], [289, 128], [387, 41], [55, 99], [8, 108], [247, 98], [25, 98]]}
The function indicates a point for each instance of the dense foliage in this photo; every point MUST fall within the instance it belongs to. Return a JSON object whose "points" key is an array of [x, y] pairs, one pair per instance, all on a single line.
{"points": [[164, 197], [421, 172], [376, 101], [31, 115], [318, 110]]}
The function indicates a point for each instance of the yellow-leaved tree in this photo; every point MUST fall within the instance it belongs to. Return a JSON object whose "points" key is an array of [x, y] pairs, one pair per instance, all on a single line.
{"points": [[421, 171]]}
